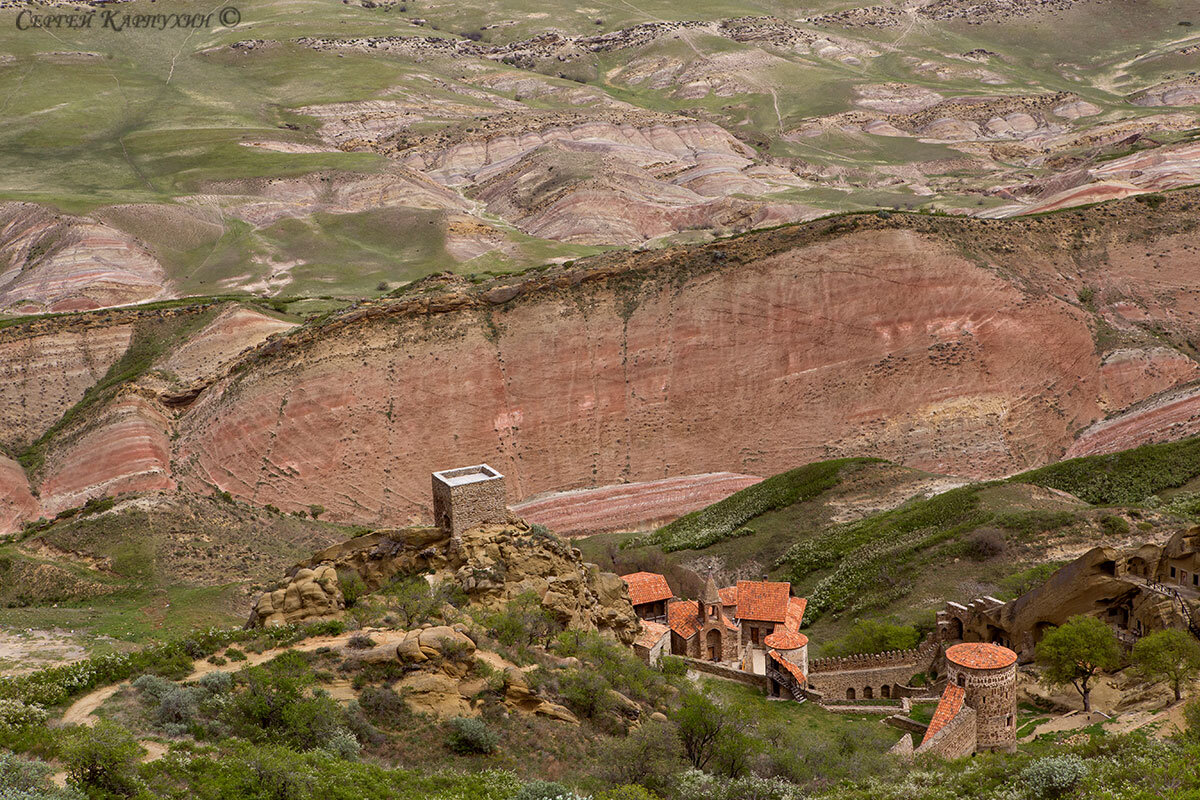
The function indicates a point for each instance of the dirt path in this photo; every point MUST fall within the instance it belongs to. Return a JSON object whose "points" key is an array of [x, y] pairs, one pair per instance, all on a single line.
{"points": [[80, 712]]}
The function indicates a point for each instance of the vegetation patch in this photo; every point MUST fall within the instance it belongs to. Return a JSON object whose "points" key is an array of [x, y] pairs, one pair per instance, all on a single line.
{"points": [[723, 519], [1125, 478]]}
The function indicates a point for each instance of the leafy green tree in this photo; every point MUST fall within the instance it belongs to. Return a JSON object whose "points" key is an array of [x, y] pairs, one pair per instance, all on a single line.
{"points": [[103, 761], [1075, 652], [414, 602], [1170, 656], [701, 723]]}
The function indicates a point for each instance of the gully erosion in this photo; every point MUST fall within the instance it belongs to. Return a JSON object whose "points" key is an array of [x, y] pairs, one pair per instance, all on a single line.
{"points": [[953, 345]]}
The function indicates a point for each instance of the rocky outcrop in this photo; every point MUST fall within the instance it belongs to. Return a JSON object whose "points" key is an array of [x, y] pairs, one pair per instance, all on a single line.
{"points": [[442, 684], [493, 564], [310, 595]]}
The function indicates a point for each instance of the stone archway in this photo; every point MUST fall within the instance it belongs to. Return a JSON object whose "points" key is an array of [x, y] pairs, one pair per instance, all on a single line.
{"points": [[849, 694], [712, 643]]}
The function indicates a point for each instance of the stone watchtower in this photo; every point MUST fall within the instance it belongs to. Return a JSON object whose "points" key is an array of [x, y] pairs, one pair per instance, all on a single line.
{"points": [[468, 497], [988, 675]]}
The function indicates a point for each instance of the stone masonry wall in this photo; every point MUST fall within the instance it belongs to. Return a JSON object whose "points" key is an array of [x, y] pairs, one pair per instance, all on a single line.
{"points": [[956, 739], [833, 677]]}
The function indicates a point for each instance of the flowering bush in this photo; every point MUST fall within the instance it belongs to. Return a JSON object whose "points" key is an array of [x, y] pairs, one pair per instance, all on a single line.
{"points": [[545, 790], [1053, 776], [16, 715]]}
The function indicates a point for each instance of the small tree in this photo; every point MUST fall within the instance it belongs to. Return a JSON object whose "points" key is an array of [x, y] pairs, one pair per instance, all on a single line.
{"points": [[103, 760], [1075, 652], [1170, 656], [701, 723]]}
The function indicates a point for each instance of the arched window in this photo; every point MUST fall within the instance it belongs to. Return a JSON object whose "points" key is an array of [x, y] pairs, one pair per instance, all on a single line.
{"points": [[962, 680]]}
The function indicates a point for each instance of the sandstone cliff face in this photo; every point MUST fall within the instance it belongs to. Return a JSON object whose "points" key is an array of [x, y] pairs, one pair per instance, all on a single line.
{"points": [[883, 342], [44, 374], [17, 504], [126, 449]]}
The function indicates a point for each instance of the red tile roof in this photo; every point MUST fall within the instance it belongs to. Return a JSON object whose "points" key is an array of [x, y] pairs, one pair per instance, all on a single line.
{"points": [[683, 617], [979, 655], [789, 666], [795, 612], [783, 639], [728, 596], [947, 709], [651, 633], [647, 587], [763, 600]]}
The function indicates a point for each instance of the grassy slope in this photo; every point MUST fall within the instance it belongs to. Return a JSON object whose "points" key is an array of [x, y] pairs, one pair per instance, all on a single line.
{"points": [[166, 567], [999, 536]]}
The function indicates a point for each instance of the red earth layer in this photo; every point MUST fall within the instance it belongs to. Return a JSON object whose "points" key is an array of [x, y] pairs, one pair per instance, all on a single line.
{"points": [[630, 506]]}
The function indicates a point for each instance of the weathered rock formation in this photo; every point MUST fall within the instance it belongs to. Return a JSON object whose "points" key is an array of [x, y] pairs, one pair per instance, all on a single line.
{"points": [[1136, 591], [493, 564], [442, 685], [311, 595]]}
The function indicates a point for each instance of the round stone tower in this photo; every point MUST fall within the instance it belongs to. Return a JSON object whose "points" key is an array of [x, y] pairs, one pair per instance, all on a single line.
{"points": [[988, 675]]}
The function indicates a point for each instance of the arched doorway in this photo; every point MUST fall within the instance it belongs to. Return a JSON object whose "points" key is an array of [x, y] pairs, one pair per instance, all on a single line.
{"points": [[885, 691], [868, 693], [849, 694], [713, 642]]}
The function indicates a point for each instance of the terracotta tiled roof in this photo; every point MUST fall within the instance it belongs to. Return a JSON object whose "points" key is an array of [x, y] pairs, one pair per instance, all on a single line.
{"points": [[947, 709], [647, 587], [683, 617], [789, 666], [728, 624], [728, 596], [783, 639], [978, 655], [763, 600], [651, 633], [795, 612]]}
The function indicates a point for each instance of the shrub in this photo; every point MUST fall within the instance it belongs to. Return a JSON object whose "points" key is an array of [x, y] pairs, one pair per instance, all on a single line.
{"points": [[16, 716], [1114, 525], [234, 654], [343, 745], [352, 586], [586, 692], [467, 735], [316, 510], [217, 661], [216, 682], [103, 760], [360, 641], [176, 707], [984, 544], [384, 707], [1053, 776], [26, 779], [545, 790]]}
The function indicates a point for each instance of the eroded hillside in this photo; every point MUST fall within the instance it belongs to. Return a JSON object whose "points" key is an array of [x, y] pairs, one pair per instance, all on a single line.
{"points": [[976, 348]]}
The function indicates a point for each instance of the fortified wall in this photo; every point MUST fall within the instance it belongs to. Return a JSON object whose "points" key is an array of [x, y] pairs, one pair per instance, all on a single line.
{"points": [[871, 675]]}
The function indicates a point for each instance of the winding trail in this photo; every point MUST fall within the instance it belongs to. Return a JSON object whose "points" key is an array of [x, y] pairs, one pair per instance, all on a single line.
{"points": [[81, 712]]}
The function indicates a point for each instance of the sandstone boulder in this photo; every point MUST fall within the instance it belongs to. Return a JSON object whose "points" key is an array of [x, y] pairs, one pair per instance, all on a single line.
{"points": [[311, 595]]}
